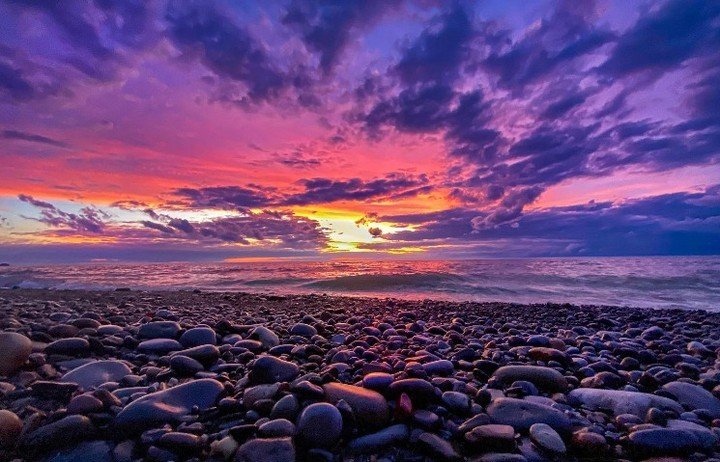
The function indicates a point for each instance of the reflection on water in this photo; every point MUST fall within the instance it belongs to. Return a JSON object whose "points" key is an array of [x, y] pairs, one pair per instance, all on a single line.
{"points": [[662, 282]]}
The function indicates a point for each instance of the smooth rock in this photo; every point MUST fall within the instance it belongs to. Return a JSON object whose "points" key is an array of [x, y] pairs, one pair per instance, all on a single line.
{"points": [[266, 450], [418, 389], [621, 402], [62, 433], [302, 329], [84, 404], [185, 366], [545, 378], [277, 428], [10, 428], [73, 346], [439, 448], [493, 437], [374, 442], [370, 407], [269, 369], [522, 414], [95, 451], [320, 425], [159, 329], [167, 406], [96, 373], [546, 438], [666, 441], [268, 338], [159, 346], [693, 397], [16, 349], [198, 336]]}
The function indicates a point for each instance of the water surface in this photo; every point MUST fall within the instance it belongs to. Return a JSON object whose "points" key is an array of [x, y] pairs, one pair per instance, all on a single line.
{"points": [[655, 282]]}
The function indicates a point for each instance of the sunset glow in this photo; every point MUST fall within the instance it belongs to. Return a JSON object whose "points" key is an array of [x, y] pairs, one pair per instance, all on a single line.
{"points": [[303, 129]]}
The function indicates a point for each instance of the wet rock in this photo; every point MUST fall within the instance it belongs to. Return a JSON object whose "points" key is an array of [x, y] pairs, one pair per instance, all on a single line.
{"points": [[694, 397], [320, 425], [277, 428], [167, 406], [159, 346], [73, 346], [667, 441], [267, 337], [84, 404], [302, 329], [16, 349], [10, 428], [621, 402], [545, 378], [369, 407], [492, 437], [438, 448], [378, 381], [546, 438], [269, 369], [159, 329], [374, 442], [185, 366], [63, 433], [96, 373], [522, 414], [418, 389], [266, 450], [95, 451], [198, 336]]}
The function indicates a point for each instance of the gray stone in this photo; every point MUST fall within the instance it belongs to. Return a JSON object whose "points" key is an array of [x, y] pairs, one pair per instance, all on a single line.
{"points": [[266, 450], [621, 402], [62, 433], [198, 336], [268, 338], [545, 378], [694, 397], [167, 406], [16, 349], [546, 438], [96, 373], [269, 369], [320, 425], [370, 407], [159, 346], [95, 451], [73, 346], [374, 442], [10, 428], [522, 414], [159, 329]]}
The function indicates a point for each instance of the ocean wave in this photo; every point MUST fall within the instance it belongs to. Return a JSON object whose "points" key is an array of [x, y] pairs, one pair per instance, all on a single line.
{"points": [[375, 282]]}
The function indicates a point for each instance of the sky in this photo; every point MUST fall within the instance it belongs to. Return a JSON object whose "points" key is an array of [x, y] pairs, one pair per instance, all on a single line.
{"points": [[311, 129]]}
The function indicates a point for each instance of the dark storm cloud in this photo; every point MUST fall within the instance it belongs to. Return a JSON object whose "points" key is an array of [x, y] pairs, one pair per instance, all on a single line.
{"points": [[664, 39], [199, 28], [13, 84], [438, 54], [315, 191], [326, 25], [18, 135], [226, 197], [678, 223], [88, 220], [564, 36], [273, 228]]}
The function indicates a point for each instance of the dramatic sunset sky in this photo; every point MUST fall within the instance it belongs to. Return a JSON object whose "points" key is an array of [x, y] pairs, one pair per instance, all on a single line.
{"points": [[181, 130]]}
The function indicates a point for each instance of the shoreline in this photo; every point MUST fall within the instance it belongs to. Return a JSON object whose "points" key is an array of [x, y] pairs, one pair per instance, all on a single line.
{"points": [[326, 377]]}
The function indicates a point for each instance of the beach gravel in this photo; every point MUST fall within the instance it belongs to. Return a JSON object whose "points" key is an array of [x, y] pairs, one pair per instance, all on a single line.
{"points": [[200, 376]]}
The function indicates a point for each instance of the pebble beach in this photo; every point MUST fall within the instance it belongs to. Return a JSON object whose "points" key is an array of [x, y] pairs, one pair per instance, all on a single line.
{"points": [[210, 376]]}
